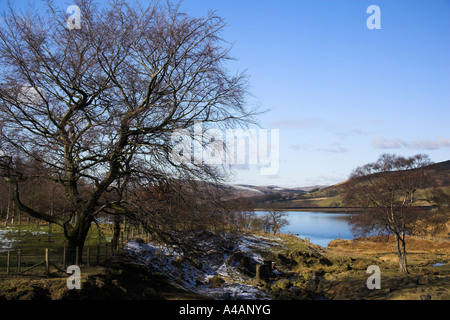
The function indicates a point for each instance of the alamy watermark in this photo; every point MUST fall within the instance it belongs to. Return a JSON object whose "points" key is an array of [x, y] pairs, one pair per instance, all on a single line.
{"points": [[74, 20], [229, 147], [374, 281], [74, 281], [374, 20]]}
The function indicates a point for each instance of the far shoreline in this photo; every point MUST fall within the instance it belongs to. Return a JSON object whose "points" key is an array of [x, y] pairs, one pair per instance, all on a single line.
{"points": [[316, 209]]}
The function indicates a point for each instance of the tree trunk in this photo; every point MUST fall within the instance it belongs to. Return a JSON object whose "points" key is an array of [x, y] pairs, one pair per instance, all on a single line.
{"points": [[116, 235], [401, 250], [13, 212], [77, 239], [7, 214]]}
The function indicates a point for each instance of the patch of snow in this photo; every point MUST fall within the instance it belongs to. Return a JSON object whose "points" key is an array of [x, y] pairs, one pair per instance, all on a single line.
{"points": [[239, 187], [182, 271], [6, 237], [6, 243]]}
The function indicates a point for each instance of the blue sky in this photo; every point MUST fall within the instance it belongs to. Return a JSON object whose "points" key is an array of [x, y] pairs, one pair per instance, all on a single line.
{"points": [[339, 93]]}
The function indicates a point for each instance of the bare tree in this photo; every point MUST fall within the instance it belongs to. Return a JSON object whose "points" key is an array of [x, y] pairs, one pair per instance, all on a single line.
{"points": [[387, 189], [276, 219], [96, 106], [175, 211], [241, 212]]}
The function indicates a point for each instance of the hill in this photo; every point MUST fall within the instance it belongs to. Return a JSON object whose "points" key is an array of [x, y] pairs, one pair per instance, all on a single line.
{"points": [[438, 172], [262, 196], [331, 197], [246, 190]]}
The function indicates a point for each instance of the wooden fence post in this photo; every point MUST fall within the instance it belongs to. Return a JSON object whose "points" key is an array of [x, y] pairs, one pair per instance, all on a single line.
{"points": [[88, 254], [64, 258], [8, 261], [47, 266], [19, 258], [76, 256]]}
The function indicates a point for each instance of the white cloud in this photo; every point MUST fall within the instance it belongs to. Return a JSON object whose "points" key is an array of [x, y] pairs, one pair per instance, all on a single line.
{"points": [[383, 143], [335, 147], [419, 144], [438, 143], [299, 147], [305, 123]]}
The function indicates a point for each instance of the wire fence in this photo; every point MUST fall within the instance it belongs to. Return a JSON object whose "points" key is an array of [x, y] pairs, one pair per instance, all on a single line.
{"points": [[36, 248], [49, 260]]}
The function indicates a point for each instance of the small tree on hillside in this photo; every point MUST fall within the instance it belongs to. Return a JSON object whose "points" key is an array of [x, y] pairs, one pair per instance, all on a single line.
{"points": [[387, 190], [277, 220]]}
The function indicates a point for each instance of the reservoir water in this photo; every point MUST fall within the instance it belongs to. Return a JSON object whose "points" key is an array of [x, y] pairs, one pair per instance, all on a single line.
{"points": [[320, 227]]}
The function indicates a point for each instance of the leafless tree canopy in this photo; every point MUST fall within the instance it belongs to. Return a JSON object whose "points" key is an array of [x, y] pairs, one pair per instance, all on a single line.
{"points": [[96, 106], [277, 220]]}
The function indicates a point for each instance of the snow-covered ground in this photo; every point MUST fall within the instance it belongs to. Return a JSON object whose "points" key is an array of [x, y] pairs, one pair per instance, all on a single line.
{"points": [[6, 242], [195, 276], [7, 239]]}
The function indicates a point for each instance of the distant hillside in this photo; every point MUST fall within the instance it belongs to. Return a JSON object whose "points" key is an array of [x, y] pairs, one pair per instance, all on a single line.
{"points": [[246, 190], [439, 172], [331, 196]]}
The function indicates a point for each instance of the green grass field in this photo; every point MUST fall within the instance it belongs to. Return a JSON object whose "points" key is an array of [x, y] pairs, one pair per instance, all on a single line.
{"points": [[33, 239]]}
